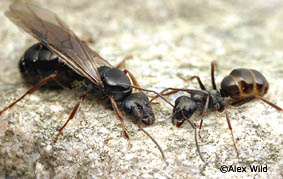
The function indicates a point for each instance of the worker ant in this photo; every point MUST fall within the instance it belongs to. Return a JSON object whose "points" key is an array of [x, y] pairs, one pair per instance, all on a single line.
{"points": [[241, 86]]}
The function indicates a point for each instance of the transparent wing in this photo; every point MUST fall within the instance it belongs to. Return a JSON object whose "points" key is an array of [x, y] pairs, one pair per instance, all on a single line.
{"points": [[46, 27]]}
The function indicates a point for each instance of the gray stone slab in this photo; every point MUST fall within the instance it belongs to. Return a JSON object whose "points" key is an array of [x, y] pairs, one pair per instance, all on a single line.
{"points": [[170, 41]]}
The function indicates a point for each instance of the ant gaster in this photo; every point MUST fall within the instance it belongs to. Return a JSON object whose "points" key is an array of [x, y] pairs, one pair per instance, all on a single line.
{"points": [[241, 85], [62, 59]]}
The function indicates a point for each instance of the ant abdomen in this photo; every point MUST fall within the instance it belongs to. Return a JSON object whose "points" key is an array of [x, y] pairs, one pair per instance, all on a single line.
{"points": [[242, 83], [39, 62]]}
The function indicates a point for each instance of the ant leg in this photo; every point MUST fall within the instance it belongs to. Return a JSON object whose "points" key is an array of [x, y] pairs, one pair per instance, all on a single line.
{"points": [[199, 82], [137, 86], [30, 91], [230, 127], [173, 91], [82, 98], [212, 76], [245, 100], [169, 93], [157, 94], [134, 81], [242, 101], [203, 114], [153, 140], [123, 61], [116, 109], [190, 91], [270, 103], [163, 94], [196, 139]]}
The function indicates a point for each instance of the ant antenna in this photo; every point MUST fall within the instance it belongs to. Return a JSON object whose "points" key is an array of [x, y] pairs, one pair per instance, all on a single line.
{"points": [[153, 140], [196, 139]]}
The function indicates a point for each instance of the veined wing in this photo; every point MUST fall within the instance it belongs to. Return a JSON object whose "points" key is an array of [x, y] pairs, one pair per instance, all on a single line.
{"points": [[46, 27]]}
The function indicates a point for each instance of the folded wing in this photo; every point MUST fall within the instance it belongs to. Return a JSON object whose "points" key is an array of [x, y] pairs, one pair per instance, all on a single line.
{"points": [[46, 27]]}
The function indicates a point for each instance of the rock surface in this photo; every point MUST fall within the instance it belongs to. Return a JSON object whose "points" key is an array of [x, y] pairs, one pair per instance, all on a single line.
{"points": [[170, 41]]}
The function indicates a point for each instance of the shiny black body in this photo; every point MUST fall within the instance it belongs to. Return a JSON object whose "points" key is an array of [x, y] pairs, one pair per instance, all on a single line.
{"points": [[78, 67], [38, 62], [184, 109], [241, 85]]}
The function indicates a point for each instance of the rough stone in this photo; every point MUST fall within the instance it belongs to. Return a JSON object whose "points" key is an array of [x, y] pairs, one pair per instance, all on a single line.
{"points": [[170, 41]]}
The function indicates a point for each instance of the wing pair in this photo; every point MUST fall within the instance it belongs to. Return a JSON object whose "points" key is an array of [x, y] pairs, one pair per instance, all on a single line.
{"points": [[51, 31]]}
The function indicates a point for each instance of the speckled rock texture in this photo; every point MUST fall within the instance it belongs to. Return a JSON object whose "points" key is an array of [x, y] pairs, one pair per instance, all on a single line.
{"points": [[170, 41]]}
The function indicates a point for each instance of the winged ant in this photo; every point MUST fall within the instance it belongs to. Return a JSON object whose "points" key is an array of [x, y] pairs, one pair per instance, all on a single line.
{"points": [[63, 58]]}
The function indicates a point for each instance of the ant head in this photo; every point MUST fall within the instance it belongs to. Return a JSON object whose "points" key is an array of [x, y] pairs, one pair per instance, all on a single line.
{"points": [[137, 106], [184, 109]]}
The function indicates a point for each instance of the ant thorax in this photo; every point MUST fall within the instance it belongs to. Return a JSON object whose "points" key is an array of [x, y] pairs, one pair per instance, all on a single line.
{"points": [[216, 101]]}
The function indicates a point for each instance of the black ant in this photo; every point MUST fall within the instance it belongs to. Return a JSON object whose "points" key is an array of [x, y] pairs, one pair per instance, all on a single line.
{"points": [[242, 86], [61, 59]]}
